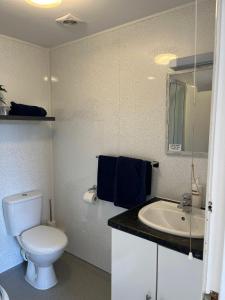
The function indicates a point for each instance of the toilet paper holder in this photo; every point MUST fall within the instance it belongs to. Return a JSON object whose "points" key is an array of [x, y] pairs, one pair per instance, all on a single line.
{"points": [[93, 188]]}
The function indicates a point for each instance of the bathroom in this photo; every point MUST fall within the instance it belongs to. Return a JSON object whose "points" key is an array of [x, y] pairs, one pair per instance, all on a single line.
{"points": [[108, 74]]}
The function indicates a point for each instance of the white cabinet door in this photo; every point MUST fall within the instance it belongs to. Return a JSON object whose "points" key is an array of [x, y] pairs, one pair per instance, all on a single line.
{"points": [[178, 277], [134, 263]]}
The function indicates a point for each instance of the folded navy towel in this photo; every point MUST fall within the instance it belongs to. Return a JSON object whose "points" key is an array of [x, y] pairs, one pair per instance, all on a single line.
{"points": [[132, 182], [106, 177], [26, 110]]}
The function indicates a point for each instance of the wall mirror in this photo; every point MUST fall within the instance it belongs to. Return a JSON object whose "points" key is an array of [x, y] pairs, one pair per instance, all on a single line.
{"points": [[189, 103]]}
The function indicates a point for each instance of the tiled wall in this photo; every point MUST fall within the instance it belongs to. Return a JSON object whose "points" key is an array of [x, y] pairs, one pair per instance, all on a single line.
{"points": [[105, 103], [25, 148]]}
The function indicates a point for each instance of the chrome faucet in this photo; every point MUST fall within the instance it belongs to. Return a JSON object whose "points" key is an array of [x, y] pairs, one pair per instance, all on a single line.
{"points": [[186, 202]]}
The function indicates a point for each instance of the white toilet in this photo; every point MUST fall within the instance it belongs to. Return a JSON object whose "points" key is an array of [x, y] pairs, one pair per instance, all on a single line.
{"points": [[41, 245]]}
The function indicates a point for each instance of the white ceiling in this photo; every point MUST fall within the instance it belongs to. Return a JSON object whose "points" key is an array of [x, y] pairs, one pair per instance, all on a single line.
{"points": [[37, 25]]}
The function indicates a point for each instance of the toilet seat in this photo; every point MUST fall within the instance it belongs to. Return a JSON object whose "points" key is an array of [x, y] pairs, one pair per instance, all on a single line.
{"points": [[43, 240]]}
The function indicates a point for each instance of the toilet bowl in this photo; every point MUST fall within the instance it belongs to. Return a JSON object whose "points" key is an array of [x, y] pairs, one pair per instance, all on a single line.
{"points": [[40, 245], [3, 294]]}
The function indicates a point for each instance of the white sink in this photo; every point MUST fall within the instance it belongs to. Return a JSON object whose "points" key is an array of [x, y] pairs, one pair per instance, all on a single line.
{"points": [[165, 216]]}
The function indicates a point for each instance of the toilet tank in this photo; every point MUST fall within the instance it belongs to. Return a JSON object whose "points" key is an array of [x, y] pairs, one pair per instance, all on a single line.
{"points": [[22, 211]]}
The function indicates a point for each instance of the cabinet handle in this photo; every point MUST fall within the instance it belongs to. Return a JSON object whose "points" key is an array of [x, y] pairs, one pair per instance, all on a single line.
{"points": [[148, 297]]}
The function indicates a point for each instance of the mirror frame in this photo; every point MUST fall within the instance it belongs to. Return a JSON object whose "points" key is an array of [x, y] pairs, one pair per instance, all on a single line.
{"points": [[180, 153]]}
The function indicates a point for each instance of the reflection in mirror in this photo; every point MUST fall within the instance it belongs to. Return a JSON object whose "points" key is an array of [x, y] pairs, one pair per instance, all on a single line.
{"points": [[189, 107]]}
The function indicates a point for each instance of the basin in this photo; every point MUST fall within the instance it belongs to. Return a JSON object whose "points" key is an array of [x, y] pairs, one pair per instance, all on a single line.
{"points": [[167, 217]]}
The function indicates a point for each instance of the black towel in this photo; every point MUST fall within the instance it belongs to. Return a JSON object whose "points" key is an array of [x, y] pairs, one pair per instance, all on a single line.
{"points": [[26, 110], [106, 177], [148, 179], [132, 182]]}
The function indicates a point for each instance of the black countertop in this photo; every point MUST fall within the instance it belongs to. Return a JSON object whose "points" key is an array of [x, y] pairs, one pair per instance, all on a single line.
{"points": [[128, 221]]}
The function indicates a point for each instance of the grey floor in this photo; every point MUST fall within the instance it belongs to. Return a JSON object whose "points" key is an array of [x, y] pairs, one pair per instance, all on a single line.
{"points": [[78, 280]]}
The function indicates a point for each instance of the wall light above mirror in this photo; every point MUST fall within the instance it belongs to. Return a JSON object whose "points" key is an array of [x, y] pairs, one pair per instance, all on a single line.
{"points": [[164, 58]]}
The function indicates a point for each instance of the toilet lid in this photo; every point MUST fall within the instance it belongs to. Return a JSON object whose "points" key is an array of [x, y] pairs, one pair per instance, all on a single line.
{"points": [[43, 239]]}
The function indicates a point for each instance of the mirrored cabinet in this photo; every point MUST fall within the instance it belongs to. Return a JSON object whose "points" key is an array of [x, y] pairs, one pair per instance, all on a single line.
{"points": [[188, 109]]}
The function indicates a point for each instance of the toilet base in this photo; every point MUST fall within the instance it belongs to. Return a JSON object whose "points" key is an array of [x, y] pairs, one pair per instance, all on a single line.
{"points": [[41, 278]]}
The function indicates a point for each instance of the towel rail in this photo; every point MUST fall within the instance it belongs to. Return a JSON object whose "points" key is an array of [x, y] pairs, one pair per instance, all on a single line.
{"points": [[154, 163]]}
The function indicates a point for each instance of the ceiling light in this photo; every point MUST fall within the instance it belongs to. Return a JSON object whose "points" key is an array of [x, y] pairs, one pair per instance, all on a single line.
{"points": [[44, 3], [164, 58], [150, 77]]}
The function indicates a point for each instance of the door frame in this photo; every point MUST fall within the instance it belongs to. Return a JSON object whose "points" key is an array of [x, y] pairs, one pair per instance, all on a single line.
{"points": [[214, 245]]}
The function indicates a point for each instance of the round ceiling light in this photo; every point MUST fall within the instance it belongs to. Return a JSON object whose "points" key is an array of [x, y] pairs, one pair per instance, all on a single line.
{"points": [[164, 58], [44, 3]]}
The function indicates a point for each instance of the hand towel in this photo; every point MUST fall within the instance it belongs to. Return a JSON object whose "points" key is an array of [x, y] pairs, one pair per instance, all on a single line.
{"points": [[106, 177], [132, 182]]}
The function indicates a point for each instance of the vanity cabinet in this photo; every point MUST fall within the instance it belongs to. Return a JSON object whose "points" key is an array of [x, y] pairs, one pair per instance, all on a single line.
{"points": [[178, 277], [133, 267], [143, 270]]}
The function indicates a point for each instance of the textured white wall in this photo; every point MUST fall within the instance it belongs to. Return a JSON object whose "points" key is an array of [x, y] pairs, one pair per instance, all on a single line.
{"points": [[25, 148], [104, 103]]}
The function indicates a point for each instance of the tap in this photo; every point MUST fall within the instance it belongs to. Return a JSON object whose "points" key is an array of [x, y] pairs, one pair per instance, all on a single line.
{"points": [[186, 202]]}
